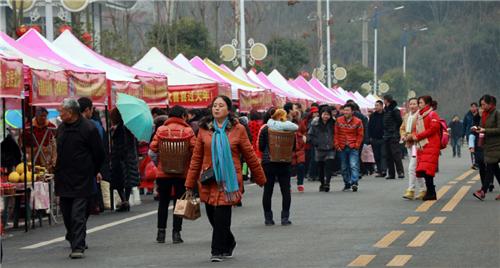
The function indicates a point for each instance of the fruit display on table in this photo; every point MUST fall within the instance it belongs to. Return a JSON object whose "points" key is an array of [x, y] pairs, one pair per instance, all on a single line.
{"points": [[18, 176]]}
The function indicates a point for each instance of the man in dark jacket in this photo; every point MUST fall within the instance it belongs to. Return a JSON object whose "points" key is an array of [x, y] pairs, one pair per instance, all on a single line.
{"points": [[468, 123], [80, 155], [392, 122], [456, 128], [376, 133]]}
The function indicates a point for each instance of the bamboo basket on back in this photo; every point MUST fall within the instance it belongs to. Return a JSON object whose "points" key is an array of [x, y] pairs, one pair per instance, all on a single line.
{"points": [[281, 145], [175, 154]]}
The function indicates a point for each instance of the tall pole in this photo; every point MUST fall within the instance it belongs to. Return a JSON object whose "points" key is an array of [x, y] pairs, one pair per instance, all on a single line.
{"points": [[364, 41], [49, 21], [375, 37], [404, 60], [320, 33], [242, 35], [328, 52]]}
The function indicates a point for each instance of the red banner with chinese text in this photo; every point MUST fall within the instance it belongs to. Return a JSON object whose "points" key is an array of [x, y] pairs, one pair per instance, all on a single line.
{"points": [[90, 85], [256, 100], [131, 88], [192, 96], [11, 78], [154, 90], [49, 88]]}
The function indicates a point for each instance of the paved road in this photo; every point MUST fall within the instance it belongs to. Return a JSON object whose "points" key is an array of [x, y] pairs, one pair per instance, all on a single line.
{"points": [[333, 229]]}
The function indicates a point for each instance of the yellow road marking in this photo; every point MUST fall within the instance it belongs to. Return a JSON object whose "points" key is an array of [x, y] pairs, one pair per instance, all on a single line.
{"points": [[465, 175], [361, 261], [410, 220], [471, 182], [476, 178], [388, 239], [437, 220], [452, 182], [399, 260], [420, 239], [428, 204], [450, 206]]}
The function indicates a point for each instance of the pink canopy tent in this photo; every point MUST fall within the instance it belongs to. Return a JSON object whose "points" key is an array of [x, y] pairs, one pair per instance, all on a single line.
{"points": [[150, 87], [325, 95], [83, 81], [318, 85]]}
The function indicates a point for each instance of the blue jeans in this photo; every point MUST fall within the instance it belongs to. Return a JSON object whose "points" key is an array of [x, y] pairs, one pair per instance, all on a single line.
{"points": [[350, 166]]}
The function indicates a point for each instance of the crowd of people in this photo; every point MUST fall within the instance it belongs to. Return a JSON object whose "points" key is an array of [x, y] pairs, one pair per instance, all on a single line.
{"points": [[218, 148]]}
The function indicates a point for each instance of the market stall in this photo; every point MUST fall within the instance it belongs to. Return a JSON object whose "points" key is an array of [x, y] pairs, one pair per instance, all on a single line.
{"points": [[185, 89]]}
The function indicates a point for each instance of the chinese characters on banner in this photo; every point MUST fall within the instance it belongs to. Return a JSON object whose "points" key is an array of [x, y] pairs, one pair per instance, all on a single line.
{"points": [[154, 90], [129, 88], [49, 88], [11, 78], [260, 100], [195, 96], [91, 85]]}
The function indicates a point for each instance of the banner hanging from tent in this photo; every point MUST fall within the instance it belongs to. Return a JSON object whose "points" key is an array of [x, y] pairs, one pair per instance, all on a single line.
{"points": [[154, 90], [194, 96], [49, 88], [11, 78], [88, 85], [255, 100]]}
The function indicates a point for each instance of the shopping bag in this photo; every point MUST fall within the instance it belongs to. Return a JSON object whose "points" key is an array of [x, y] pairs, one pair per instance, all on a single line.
{"points": [[187, 207], [135, 197], [106, 195]]}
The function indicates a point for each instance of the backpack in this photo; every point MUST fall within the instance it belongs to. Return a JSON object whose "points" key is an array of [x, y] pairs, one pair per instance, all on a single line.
{"points": [[444, 134]]}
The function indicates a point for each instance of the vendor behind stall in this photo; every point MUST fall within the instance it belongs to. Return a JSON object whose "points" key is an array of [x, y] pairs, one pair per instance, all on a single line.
{"points": [[43, 135]]}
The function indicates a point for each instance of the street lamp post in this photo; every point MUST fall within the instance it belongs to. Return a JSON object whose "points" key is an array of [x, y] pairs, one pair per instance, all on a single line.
{"points": [[406, 36], [328, 50], [376, 15], [49, 20], [242, 35]]}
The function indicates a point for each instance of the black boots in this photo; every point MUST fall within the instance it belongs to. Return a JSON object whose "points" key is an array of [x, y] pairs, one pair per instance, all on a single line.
{"points": [[176, 237], [160, 236], [431, 189], [284, 218], [268, 216]]}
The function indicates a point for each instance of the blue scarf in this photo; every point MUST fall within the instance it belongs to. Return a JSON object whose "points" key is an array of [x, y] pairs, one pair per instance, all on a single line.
{"points": [[222, 163]]}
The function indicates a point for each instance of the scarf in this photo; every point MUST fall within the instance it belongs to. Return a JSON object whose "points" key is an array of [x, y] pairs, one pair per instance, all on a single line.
{"points": [[409, 121], [421, 126], [485, 115], [222, 163]]}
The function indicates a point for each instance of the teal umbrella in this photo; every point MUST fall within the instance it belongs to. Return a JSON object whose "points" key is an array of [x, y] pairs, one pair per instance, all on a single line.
{"points": [[136, 116]]}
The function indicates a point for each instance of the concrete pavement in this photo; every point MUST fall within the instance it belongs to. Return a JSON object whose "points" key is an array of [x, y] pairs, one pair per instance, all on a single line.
{"points": [[333, 229]]}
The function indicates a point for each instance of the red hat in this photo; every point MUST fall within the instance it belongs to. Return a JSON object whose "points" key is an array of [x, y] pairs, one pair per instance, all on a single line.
{"points": [[314, 109]]}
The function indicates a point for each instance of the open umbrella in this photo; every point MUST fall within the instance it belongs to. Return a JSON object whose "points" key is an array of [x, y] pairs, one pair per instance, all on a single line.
{"points": [[136, 116]]}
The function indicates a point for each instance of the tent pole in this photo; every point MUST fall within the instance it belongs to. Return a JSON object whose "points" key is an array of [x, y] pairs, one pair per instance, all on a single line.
{"points": [[23, 137], [108, 133]]}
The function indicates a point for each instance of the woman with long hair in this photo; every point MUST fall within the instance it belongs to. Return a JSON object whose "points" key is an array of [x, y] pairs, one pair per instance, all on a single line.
{"points": [[409, 121], [124, 162], [220, 142], [426, 135]]}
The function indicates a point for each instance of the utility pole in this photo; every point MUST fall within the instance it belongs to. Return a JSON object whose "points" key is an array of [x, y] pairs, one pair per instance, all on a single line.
{"points": [[320, 33], [328, 51], [364, 41], [49, 20]]}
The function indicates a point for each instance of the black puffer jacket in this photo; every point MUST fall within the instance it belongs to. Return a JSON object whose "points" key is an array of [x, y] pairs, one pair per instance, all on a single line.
{"points": [[124, 167], [320, 135], [376, 125], [80, 154], [364, 120], [392, 121]]}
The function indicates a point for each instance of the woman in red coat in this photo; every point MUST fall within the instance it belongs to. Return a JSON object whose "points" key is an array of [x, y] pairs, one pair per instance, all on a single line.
{"points": [[428, 141]]}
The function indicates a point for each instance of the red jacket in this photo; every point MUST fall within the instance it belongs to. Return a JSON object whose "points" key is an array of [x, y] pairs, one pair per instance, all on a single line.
{"points": [[299, 154], [428, 156], [254, 126], [172, 128], [39, 132], [348, 133]]}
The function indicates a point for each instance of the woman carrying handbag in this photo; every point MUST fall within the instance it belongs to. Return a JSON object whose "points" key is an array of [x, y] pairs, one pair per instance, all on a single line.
{"points": [[216, 160]]}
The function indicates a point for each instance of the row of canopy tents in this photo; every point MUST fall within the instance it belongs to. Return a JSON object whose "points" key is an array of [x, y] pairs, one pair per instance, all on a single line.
{"points": [[68, 68]]}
